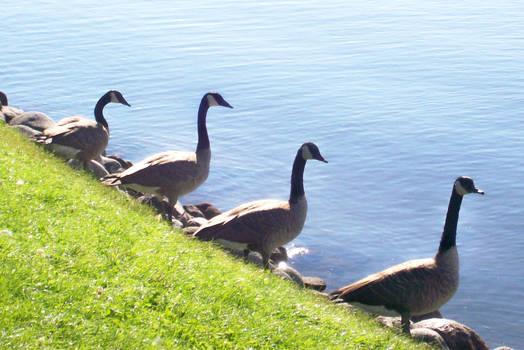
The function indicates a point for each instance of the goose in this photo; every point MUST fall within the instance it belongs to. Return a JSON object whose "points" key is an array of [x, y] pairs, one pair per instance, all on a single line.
{"points": [[37, 121], [7, 112], [419, 286], [266, 224], [173, 173], [80, 138]]}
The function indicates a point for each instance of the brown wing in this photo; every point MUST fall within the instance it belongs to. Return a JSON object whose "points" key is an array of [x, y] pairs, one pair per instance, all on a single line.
{"points": [[35, 120], [247, 223], [82, 134], [161, 170], [69, 120], [393, 287]]}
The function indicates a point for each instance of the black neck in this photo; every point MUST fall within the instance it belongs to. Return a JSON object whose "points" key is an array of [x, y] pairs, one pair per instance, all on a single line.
{"points": [[297, 176], [449, 235], [3, 100], [99, 116], [203, 138]]}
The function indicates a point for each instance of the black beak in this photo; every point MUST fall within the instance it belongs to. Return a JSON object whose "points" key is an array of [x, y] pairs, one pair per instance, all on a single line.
{"points": [[225, 104], [476, 190], [319, 157], [124, 102]]}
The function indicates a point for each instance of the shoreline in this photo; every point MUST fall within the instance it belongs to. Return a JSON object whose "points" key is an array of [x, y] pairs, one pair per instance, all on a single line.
{"points": [[101, 261], [189, 217]]}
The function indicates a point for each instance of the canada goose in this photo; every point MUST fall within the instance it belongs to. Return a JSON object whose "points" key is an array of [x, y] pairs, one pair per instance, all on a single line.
{"points": [[81, 138], [266, 224], [7, 112], [173, 173], [37, 121], [419, 286]]}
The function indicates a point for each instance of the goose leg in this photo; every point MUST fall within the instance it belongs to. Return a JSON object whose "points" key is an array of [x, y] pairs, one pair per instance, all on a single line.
{"points": [[171, 209], [265, 260], [246, 253], [405, 323]]}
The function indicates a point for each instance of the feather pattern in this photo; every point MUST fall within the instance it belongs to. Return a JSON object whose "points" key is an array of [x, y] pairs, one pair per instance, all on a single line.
{"points": [[415, 287], [70, 120], [264, 224], [86, 136], [169, 174]]}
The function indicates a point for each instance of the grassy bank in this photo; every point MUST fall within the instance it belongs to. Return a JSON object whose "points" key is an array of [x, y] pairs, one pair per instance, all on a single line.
{"points": [[83, 266]]}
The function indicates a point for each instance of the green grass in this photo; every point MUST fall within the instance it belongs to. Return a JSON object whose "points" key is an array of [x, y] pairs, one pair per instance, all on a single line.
{"points": [[84, 266]]}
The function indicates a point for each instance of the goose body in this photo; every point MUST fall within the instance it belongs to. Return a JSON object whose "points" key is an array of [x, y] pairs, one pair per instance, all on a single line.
{"points": [[264, 225], [259, 225], [81, 138], [415, 287], [7, 113], [35, 120], [173, 173], [165, 173]]}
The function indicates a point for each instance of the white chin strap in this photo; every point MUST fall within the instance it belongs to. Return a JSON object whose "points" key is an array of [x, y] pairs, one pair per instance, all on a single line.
{"points": [[306, 153], [114, 99], [460, 190], [211, 101]]}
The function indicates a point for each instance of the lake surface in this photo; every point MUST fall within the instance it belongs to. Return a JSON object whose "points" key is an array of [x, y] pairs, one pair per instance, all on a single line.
{"points": [[401, 98]]}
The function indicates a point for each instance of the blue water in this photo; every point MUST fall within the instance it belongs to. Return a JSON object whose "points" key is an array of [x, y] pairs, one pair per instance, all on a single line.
{"points": [[401, 97]]}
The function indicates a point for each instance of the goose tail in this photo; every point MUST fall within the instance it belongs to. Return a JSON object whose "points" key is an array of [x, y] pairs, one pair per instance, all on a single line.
{"points": [[42, 138], [338, 295], [111, 180], [334, 295]]}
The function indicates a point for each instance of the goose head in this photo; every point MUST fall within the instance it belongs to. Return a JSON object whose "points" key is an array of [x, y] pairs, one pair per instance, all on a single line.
{"points": [[465, 185], [215, 99], [311, 151], [116, 97], [3, 99]]}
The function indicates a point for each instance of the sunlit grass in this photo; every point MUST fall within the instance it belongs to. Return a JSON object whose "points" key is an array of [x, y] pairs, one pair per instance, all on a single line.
{"points": [[84, 266]]}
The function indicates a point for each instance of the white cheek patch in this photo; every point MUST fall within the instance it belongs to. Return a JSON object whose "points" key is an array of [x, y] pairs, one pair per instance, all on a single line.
{"points": [[306, 153], [114, 98], [211, 101], [460, 190]]}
